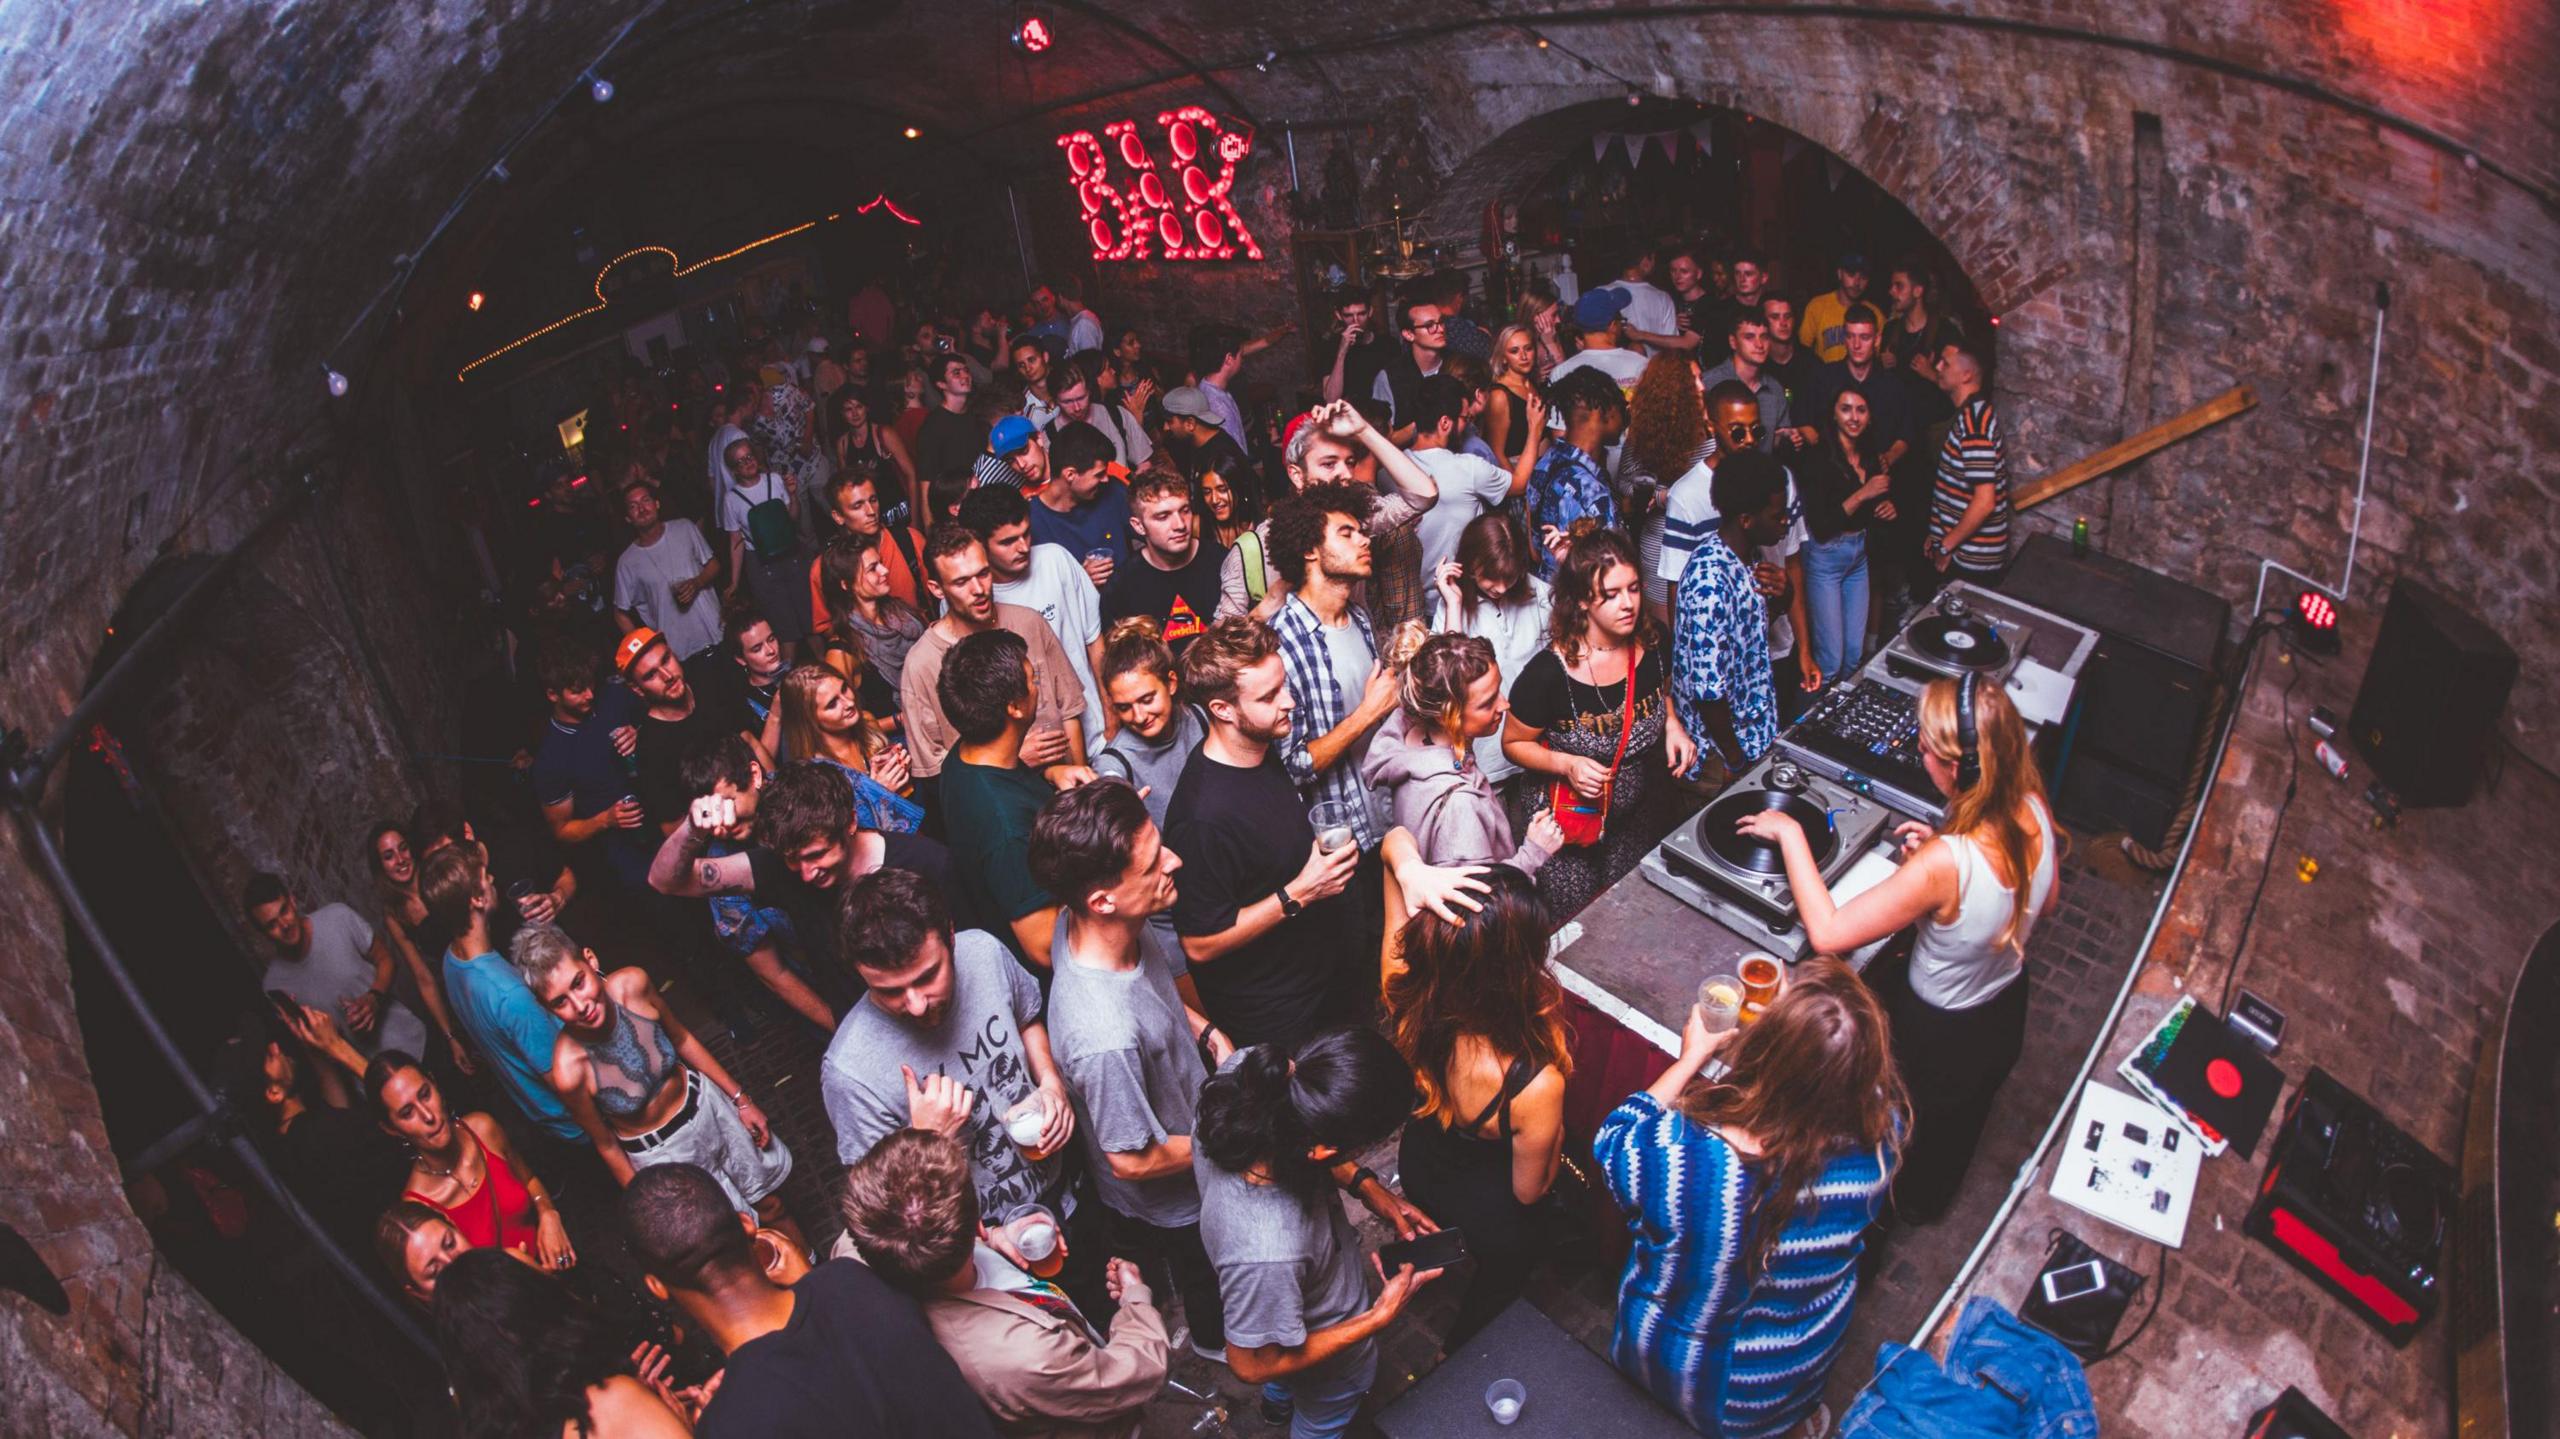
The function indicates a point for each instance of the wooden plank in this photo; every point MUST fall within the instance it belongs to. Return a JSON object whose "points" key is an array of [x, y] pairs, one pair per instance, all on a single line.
{"points": [[2123, 452]]}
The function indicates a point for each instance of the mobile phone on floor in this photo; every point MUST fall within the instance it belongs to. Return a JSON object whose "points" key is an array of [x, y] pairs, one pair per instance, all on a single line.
{"points": [[2070, 1282], [1430, 1251]]}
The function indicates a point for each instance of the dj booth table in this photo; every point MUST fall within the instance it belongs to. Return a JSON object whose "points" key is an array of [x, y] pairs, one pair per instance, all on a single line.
{"points": [[1632, 961]]}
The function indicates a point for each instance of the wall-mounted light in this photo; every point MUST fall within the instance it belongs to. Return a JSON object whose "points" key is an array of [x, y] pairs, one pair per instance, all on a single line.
{"points": [[476, 300], [1269, 59], [1033, 35], [600, 88], [912, 133]]}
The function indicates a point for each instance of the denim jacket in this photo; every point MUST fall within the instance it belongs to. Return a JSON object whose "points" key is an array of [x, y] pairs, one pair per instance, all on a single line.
{"points": [[2004, 1379]]}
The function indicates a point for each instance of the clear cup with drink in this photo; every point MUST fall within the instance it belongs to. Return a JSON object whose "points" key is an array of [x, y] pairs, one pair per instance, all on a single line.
{"points": [[1762, 977], [1720, 1002], [1332, 820], [1025, 1122], [1505, 1397], [1034, 1235]]}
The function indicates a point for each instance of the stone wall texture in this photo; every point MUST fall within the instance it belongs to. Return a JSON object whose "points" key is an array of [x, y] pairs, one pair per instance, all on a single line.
{"points": [[203, 207]]}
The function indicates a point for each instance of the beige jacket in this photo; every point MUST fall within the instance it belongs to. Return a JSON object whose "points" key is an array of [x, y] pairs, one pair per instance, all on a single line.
{"points": [[1040, 1373]]}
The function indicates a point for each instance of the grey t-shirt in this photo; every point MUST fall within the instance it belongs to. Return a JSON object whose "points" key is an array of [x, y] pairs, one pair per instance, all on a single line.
{"points": [[978, 1042], [1352, 659], [1288, 1265], [338, 967], [1126, 1049], [1154, 766]]}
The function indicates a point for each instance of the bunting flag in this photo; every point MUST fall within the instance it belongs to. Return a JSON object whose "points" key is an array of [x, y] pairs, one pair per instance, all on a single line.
{"points": [[1704, 132], [1787, 152], [1670, 142], [1600, 145]]}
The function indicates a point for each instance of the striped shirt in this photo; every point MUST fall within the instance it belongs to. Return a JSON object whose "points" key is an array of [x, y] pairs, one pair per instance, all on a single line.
{"points": [[1738, 1356], [1973, 455]]}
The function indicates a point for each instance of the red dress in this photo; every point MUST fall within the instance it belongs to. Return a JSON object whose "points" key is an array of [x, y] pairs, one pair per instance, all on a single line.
{"points": [[500, 1214]]}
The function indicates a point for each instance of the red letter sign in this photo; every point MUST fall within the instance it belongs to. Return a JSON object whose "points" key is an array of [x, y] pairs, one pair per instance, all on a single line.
{"points": [[1192, 219]]}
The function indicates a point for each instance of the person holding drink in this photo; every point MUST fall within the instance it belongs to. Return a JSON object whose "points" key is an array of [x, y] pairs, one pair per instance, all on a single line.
{"points": [[1974, 888], [951, 1035], [1749, 1173]]}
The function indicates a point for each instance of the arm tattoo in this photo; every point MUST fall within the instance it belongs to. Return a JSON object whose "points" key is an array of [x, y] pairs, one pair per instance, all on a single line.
{"points": [[709, 873]]}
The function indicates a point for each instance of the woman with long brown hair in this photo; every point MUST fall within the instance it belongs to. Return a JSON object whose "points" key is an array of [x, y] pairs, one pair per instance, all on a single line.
{"points": [[1749, 1173], [1974, 888], [822, 719], [1506, 400], [858, 438], [1476, 1013], [1421, 761], [1601, 676], [1667, 437], [857, 595]]}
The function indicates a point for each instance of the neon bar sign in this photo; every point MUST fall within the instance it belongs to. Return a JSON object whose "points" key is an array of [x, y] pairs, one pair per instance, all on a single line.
{"points": [[1190, 219]]}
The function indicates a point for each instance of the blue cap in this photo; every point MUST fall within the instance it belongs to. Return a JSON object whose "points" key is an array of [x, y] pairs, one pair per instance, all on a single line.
{"points": [[1011, 434], [1598, 307]]}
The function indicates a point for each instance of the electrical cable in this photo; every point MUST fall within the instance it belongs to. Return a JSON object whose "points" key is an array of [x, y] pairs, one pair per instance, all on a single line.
{"points": [[2159, 1285], [2292, 784]]}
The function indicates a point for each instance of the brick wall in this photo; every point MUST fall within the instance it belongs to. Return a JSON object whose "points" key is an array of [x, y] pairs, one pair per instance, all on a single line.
{"points": [[196, 202]]}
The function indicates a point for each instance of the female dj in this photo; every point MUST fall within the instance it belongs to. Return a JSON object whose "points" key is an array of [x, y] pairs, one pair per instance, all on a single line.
{"points": [[1975, 889]]}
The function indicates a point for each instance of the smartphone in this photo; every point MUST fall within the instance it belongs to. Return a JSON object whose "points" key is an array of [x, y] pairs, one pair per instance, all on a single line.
{"points": [[1431, 1251], [2068, 1283]]}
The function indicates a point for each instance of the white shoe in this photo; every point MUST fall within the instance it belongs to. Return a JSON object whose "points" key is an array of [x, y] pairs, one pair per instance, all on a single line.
{"points": [[1816, 1425]]}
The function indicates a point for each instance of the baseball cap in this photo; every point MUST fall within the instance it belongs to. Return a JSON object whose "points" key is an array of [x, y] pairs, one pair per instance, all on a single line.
{"points": [[1010, 435], [1598, 307], [1188, 400], [1854, 260], [633, 646], [1296, 423]]}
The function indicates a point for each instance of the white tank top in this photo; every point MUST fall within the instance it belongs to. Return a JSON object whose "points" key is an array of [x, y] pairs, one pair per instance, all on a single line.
{"points": [[1963, 964]]}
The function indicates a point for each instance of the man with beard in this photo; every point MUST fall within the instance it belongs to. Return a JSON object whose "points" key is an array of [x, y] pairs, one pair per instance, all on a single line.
{"points": [[1326, 446]]}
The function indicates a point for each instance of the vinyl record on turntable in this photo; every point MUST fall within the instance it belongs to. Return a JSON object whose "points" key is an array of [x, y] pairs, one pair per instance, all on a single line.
{"points": [[1967, 642], [1752, 855]]}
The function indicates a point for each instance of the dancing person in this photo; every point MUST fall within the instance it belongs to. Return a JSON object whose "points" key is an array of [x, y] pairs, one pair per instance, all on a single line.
{"points": [[297, 1073], [1570, 483], [1277, 1132], [825, 719], [1592, 711], [861, 604], [859, 440], [1975, 888], [1475, 1011], [1667, 437], [1488, 592], [989, 796], [643, 1087], [1749, 1173], [1229, 495], [761, 935], [1328, 446], [1421, 763], [1158, 728], [1722, 679]]}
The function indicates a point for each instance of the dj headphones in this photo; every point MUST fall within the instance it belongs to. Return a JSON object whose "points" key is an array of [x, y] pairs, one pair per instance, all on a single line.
{"points": [[1968, 743]]}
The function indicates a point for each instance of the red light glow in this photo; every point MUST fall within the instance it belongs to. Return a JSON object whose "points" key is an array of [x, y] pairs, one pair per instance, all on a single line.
{"points": [[1193, 219], [2316, 610], [883, 202], [1033, 35]]}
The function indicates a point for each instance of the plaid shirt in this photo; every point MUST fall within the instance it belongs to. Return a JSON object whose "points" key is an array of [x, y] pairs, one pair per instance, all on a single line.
{"points": [[1321, 705]]}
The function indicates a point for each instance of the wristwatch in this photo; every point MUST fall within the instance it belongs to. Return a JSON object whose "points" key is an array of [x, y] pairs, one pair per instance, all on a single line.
{"points": [[1289, 906]]}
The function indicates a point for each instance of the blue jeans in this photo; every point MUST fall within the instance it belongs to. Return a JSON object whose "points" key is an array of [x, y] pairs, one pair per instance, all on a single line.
{"points": [[1325, 1408], [1835, 601], [2003, 1377]]}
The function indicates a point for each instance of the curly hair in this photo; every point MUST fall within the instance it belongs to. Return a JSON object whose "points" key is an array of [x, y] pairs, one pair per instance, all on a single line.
{"points": [[1298, 524], [1666, 417]]}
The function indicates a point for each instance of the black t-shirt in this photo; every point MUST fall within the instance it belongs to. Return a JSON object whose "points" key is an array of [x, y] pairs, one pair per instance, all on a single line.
{"points": [[813, 910], [946, 442], [1545, 696], [718, 709], [855, 1360], [1183, 601], [343, 1168], [524, 859], [1711, 320], [1243, 833]]}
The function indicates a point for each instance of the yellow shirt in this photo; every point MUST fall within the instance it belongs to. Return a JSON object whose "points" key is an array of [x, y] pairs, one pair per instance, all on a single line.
{"points": [[1820, 329]]}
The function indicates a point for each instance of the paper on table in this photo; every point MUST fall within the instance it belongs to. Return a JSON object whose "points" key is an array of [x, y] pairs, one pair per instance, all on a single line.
{"points": [[2127, 1162]]}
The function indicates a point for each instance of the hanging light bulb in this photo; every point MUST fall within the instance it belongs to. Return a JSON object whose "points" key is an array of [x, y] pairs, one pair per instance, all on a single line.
{"points": [[476, 300], [600, 88], [912, 133], [337, 383]]}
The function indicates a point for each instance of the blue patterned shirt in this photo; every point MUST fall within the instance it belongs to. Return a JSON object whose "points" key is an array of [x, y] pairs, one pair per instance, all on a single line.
{"points": [[1720, 651], [1738, 1355], [1321, 706], [1566, 486]]}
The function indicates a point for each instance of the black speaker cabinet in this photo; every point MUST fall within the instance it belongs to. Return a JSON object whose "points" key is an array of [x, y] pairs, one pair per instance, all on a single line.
{"points": [[2355, 1203], [2428, 709]]}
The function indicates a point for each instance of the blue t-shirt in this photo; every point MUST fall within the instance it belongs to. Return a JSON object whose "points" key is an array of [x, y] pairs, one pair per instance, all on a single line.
{"points": [[1101, 523], [580, 765], [1720, 651], [505, 1022]]}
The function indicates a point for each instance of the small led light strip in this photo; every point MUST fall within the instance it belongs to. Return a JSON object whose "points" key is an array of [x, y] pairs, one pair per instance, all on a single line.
{"points": [[681, 270]]}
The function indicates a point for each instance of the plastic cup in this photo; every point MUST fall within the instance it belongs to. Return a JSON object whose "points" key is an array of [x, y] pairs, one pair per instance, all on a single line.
{"points": [[1332, 821], [1034, 1233], [1024, 1122], [1760, 982], [1720, 1002], [1506, 1398]]}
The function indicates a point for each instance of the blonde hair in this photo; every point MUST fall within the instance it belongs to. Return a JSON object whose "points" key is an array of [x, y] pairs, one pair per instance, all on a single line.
{"points": [[799, 701], [1993, 811], [1503, 338]]}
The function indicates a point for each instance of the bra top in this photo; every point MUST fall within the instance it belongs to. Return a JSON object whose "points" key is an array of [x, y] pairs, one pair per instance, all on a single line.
{"points": [[1514, 1079], [630, 1063]]}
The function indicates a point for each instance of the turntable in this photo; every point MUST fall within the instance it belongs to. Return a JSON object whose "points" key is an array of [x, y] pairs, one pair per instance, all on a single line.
{"points": [[1967, 631], [1741, 882]]}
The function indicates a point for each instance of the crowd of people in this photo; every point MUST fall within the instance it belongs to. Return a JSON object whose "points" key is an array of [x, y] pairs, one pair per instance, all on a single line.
{"points": [[1155, 800]]}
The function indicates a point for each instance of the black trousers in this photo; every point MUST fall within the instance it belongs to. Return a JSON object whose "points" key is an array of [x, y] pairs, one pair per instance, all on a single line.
{"points": [[1953, 1062], [1158, 1249]]}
